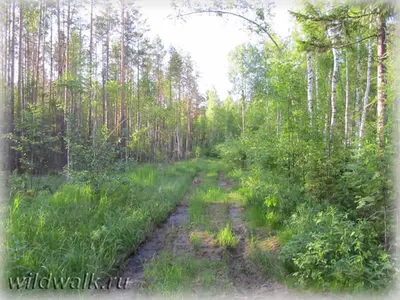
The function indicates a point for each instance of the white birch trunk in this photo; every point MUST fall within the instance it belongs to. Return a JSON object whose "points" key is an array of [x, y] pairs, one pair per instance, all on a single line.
{"points": [[346, 111], [357, 108], [333, 92], [381, 70], [316, 86], [310, 87], [366, 94]]}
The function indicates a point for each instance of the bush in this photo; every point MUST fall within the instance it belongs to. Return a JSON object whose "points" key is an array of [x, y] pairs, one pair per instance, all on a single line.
{"points": [[274, 196], [198, 152], [333, 252], [233, 152]]}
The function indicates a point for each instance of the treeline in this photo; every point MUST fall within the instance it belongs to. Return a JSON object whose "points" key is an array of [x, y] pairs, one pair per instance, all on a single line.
{"points": [[85, 85]]}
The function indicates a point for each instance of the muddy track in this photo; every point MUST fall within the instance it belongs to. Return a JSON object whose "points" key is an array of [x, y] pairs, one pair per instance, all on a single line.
{"points": [[162, 234], [241, 279], [173, 235], [133, 268], [244, 275], [247, 278]]}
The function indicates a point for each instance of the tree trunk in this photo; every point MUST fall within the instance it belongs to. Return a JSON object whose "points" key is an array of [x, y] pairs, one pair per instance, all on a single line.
{"points": [[179, 129], [316, 88], [346, 109], [12, 88], [44, 55], [20, 51], [138, 89], [188, 133], [310, 87], [333, 92], [123, 127], [366, 94], [243, 115], [327, 113], [60, 75], [35, 87], [381, 70], [20, 75], [107, 70], [66, 106], [90, 73]]}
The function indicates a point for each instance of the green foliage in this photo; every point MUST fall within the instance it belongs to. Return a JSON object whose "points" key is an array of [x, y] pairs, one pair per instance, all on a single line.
{"points": [[322, 196], [32, 139], [226, 238], [329, 196], [232, 152], [198, 151], [268, 263], [333, 252], [195, 239], [17, 183], [88, 223], [270, 198]]}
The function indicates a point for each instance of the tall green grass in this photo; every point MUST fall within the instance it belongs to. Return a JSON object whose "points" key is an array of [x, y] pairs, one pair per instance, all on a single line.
{"points": [[91, 221], [226, 238]]}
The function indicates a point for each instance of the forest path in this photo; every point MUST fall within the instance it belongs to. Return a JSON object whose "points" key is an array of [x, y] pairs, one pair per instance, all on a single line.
{"points": [[186, 255], [171, 231]]}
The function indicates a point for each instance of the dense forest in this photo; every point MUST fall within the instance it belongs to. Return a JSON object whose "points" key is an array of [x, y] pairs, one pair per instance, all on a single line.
{"points": [[308, 133], [66, 107]]}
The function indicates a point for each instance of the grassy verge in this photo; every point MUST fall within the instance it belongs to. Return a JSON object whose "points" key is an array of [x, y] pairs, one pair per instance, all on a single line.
{"points": [[89, 222]]}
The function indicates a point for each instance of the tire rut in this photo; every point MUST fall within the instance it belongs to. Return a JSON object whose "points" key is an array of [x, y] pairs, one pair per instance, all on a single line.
{"points": [[246, 277], [166, 234]]}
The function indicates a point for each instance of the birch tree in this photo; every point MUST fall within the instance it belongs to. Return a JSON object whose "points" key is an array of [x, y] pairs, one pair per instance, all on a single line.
{"points": [[310, 87], [367, 90]]}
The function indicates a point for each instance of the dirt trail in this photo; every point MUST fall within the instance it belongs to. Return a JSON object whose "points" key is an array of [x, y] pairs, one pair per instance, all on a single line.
{"points": [[241, 278], [134, 266], [242, 275], [247, 278]]}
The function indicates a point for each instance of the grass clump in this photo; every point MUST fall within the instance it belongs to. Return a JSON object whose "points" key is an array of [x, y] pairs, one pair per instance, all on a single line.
{"points": [[195, 239], [197, 208], [226, 238]]}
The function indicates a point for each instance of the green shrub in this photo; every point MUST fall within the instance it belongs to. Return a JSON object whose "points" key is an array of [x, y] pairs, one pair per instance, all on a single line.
{"points": [[232, 151], [272, 195], [198, 151], [334, 252]]}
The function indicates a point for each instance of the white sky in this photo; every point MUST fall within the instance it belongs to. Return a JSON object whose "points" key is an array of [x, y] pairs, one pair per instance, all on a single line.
{"points": [[208, 39]]}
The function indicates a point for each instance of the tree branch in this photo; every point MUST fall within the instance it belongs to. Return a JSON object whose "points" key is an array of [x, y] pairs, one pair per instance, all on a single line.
{"points": [[352, 43], [221, 12], [114, 130]]}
